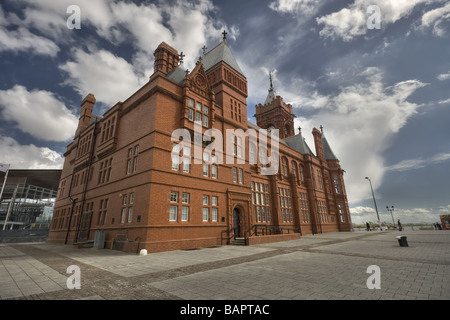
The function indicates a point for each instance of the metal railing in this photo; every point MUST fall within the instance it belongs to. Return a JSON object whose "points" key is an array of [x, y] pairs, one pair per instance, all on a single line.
{"points": [[264, 230], [230, 234]]}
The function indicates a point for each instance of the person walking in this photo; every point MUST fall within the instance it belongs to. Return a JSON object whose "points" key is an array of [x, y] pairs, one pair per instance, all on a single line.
{"points": [[399, 225], [367, 226]]}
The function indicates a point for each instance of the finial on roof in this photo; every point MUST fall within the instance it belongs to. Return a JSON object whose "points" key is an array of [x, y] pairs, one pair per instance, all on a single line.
{"points": [[299, 129], [321, 128], [224, 34], [204, 49], [182, 55]]}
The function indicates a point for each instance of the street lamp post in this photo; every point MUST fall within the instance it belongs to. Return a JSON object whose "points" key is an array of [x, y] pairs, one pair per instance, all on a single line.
{"points": [[391, 209], [375, 203]]}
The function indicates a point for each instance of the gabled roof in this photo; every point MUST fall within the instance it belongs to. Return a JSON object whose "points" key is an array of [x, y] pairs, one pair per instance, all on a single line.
{"points": [[221, 52], [298, 143], [329, 155]]}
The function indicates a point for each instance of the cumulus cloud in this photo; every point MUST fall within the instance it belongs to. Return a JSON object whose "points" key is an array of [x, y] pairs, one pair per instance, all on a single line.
{"points": [[28, 156], [438, 19], [109, 77], [351, 22], [359, 122], [22, 40], [38, 113], [361, 215], [412, 164], [444, 76], [304, 7], [187, 26]]}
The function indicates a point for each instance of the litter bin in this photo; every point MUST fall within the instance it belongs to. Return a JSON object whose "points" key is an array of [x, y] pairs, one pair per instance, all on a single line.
{"points": [[402, 241]]}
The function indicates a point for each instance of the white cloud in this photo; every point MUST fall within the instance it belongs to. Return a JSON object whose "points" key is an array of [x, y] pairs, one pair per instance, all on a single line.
{"points": [[361, 215], [351, 22], [15, 37], [447, 101], [109, 77], [22, 40], [38, 113], [444, 76], [412, 164], [359, 122], [185, 26], [28, 156], [303, 7], [436, 18]]}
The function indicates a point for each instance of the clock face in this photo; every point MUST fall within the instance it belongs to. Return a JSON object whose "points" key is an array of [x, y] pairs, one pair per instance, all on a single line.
{"points": [[270, 128]]}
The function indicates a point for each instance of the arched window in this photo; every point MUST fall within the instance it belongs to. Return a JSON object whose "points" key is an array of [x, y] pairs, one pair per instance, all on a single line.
{"points": [[284, 166], [302, 173], [294, 169], [252, 153]]}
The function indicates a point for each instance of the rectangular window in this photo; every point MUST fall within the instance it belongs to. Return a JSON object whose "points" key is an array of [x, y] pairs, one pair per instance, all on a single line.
{"points": [[198, 117], [205, 121], [205, 200], [184, 213], [173, 196], [173, 213], [124, 213], [185, 198], [341, 212], [175, 158], [234, 174], [186, 159], [191, 114], [190, 102], [132, 198], [214, 201], [205, 169], [241, 176], [214, 214], [205, 214], [130, 214], [214, 171], [198, 106], [239, 146], [286, 204]]}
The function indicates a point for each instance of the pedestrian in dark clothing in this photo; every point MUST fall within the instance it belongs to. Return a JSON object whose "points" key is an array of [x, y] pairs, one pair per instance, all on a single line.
{"points": [[367, 226], [399, 226]]}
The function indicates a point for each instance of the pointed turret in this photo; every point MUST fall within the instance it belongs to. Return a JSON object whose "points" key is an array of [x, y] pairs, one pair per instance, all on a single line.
{"points": [[328, 153]]}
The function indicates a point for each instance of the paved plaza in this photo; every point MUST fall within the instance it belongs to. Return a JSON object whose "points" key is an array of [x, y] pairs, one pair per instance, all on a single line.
{"points": [[332, 266]]}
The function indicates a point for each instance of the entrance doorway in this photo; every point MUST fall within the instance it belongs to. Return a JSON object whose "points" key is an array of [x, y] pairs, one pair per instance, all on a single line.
{"points": [[237, 223]]}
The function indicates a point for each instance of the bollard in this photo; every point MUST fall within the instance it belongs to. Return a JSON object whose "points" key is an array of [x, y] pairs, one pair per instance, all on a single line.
{"points": [[402, 241], [143, 252]]}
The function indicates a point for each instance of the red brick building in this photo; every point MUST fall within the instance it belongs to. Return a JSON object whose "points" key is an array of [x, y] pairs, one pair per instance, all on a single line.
{"points": [[118, 175]]}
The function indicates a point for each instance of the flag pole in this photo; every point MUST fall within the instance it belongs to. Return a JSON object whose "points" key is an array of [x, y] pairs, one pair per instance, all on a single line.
{"points": [[4, 183], [1, 192]]}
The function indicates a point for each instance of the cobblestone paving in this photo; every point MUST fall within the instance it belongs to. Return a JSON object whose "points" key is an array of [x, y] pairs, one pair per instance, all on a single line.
{"points": [[326, 266]]}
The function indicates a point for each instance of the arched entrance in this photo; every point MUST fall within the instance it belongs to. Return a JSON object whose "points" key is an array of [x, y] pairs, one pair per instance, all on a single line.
{"points": [[237, 223]]}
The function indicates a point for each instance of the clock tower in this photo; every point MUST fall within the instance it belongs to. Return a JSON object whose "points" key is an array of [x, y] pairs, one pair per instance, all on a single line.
{"points": [[275, 114]]}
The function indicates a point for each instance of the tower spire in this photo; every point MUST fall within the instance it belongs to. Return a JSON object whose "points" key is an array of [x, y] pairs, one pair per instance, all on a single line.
{"points": [[270, 77]]}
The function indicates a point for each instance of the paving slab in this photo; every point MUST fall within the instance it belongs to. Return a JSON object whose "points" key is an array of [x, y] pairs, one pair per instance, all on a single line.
{"points": [[331, 266]]}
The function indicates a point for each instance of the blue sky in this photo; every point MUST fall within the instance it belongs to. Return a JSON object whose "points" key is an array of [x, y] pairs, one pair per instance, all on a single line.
{"points": [[381, 94]]}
